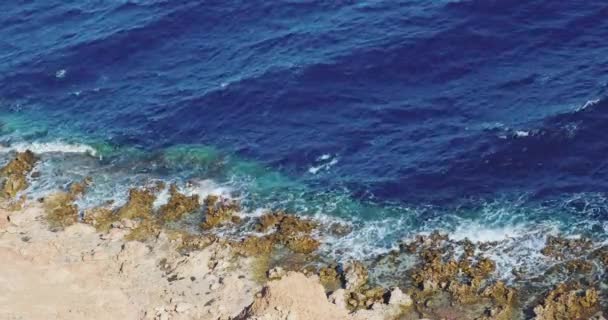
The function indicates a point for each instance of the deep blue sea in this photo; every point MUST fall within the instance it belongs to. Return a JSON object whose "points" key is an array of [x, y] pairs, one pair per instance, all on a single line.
{"points": [[487, 119]]}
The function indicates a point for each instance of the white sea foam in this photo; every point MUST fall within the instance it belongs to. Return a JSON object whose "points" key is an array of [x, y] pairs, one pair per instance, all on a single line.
{"points": [[325, 165], [50, 147], [60, 74], [587, 104]]}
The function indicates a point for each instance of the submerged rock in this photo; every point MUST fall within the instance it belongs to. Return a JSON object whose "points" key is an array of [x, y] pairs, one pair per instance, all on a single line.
{"points": [[218, 211], [178, 205], [568, 301], [15, 173]]}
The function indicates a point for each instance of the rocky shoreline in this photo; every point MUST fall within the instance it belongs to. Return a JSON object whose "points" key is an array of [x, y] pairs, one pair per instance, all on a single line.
{"points": [[134, 262]]}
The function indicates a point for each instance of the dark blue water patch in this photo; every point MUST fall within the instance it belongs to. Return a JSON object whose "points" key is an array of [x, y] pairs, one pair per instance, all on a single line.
{"points": [[400, 94]]}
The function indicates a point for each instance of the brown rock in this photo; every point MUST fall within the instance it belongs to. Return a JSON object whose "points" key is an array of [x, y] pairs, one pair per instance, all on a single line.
{"points": [[178, 205], [139, 205], [101, 218], [218, 211], [355, 275], [60, 209], [330, 277], [15, 173], [145, 230], [78, 189], [253, 246], [561, 248], [568, 301], [302, 244]]}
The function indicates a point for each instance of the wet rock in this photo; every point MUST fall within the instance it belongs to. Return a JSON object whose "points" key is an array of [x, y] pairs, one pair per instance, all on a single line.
{"points": [[285, 224], [561, 248], [355, 275], [568, 301], [78, 189], [269, 221], [218, 211], [579, 266], [139, 205], [178, 205], [602, 255], [290, 231], [500, 293], [15, 173]]}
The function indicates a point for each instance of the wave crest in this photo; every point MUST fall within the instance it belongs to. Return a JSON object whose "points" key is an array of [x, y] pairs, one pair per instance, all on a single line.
{"points": [[51, 147]]}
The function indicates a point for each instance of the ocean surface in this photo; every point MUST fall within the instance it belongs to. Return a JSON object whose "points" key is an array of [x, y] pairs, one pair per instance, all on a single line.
{"points": [[485, 119]]}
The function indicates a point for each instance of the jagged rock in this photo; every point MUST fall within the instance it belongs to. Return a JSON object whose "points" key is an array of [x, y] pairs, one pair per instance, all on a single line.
{"points": [[500, 292], [330, 277], [218, 211], [601, 254], [60, 209], [367, 298], [78, 189], [433, 270], [579, 266], [561, 248], [568, 301], [192, 242], [253, 246], [147, 229], [15, 173], [355, 275], [302, 244], [139, 205], [178, 205], [290, 231], [101, 218]]}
